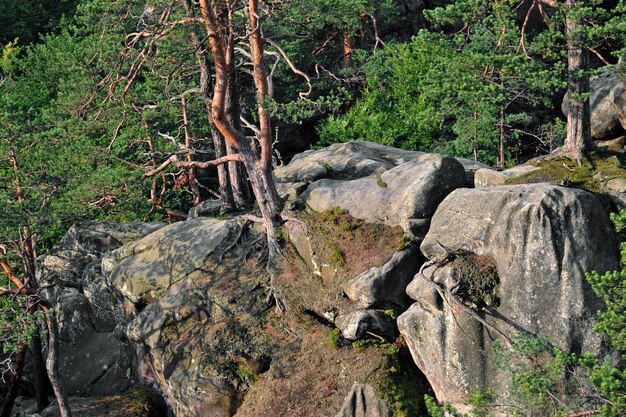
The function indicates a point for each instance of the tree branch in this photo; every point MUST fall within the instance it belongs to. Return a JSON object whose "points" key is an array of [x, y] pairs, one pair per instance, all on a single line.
{"points": [[186, 165], [293, 68]]}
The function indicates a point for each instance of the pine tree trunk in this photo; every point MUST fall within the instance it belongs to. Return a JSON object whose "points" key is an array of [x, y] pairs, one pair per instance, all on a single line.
{"points": [[42, 387], [258, 162], [52, 362], [238, 183], [578, 139], [193, 184]]}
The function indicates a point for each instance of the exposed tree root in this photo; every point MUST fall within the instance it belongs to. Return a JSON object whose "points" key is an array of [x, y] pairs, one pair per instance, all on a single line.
{"points": [[449, 296]]}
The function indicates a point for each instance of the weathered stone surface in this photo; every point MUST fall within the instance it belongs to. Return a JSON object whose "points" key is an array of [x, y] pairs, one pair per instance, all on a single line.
{"points": [[356, 324], [487, 177], [617, 184], [143, 269], [615, 145], [86, 309], [362, 401], [349, 161], [410, 191], [84, 243], [607, 101], [384, 286], [206, 208], [543, 239], [193, 341]]}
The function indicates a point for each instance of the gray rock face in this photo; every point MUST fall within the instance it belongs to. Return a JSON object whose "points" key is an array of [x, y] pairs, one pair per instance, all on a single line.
{"points": [[406, 195], [384, 286], [607, 100], [86, 308], [349, 161], [358, 323], [543, 239], [143, 269], [363, 402], [487, 177]]}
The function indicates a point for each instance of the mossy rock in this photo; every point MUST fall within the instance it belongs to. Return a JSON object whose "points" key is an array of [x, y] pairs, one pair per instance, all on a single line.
{"points": [[594, 174]]}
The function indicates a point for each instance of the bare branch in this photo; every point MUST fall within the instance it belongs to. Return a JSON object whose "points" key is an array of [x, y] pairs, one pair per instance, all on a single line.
{"points": [[182, 164], [293, 68]]}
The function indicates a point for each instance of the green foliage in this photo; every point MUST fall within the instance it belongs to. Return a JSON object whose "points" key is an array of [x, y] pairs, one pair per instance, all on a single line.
{"points": [[408, 241], [611, 287], [473, 92], [17, 325], [334, 339], [337, 257], [399, 383], [391, 314], [481, 401], [433, 407], [8, 60]]}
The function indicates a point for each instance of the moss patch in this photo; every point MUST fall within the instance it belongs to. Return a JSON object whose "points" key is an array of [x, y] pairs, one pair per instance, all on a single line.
{"points": [[350, 243], [478, 280], [592, 176], [401, 384]]}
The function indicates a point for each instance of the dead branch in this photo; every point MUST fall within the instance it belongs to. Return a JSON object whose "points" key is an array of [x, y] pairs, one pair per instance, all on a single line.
{"points": [[522, 44], [378, 40], [116, 132], [302, 94], [596, 53], [181, 164]]}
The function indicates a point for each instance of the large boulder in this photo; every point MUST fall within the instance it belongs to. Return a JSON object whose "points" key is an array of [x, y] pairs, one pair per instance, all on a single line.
{"points": [[349, 161], [607, 101], [541, 239], [406, 195], [87, 309]]}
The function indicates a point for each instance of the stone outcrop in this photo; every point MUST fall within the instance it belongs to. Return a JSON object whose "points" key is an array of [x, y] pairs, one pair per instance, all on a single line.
{"points": [[363, 402], [349, 161], [406, 195], [87, 309], [142, 270], [384, 286], [364, 323], [542, 239]]}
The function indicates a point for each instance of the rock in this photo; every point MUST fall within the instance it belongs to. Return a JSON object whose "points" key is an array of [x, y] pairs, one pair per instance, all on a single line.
{"points": [[542, 238], [197, 341], [206, 208], [617, 184], [356, 324], [607, 101], [84, 243], [614, 145], [105, 309], [143, 269], [487, 177], [86, 309], [349, 161], [362, 401], [406, 195], [384, 287]]}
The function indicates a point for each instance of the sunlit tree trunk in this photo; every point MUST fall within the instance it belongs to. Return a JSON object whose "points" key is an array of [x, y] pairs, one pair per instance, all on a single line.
{"points": [[258, 163], [578, 139]]}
